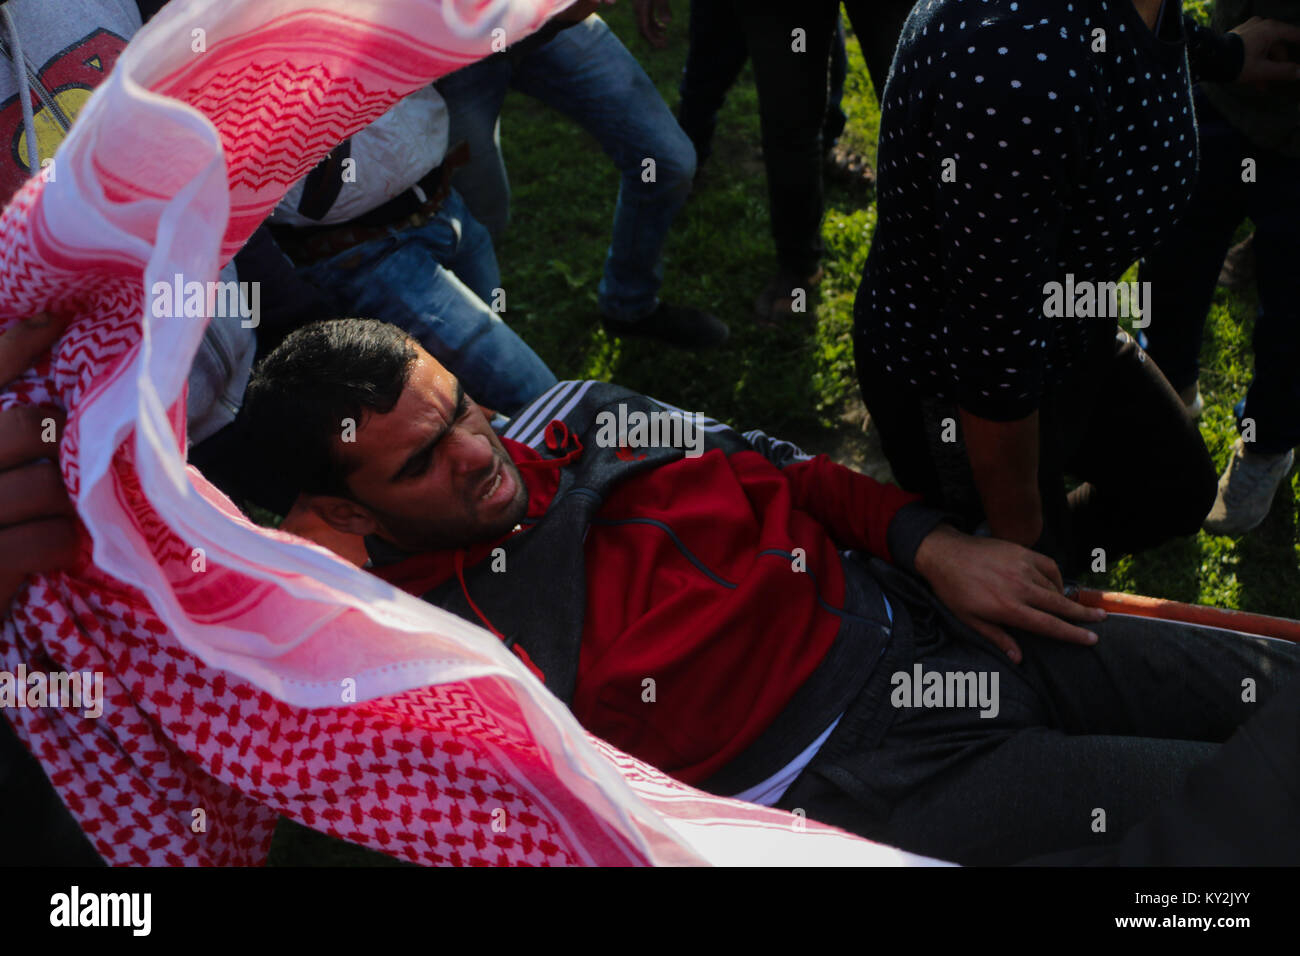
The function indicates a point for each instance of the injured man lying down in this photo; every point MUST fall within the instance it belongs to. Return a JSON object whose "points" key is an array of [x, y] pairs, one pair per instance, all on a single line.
{"points": [[776, 627]]}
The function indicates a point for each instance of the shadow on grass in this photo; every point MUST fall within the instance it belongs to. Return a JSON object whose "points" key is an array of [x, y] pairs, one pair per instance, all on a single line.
{"points": [[1170, 571]]}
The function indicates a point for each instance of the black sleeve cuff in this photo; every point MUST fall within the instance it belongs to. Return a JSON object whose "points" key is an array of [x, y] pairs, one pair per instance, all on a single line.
{"points": [[775, 450], [910, 525], [1213, 56]]}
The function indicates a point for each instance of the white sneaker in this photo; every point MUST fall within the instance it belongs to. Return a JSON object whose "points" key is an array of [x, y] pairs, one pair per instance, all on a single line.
{"points": [[1246, 490]]}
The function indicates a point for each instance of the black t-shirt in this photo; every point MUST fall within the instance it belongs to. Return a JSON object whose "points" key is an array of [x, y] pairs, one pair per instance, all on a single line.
{"points": [[1064, 159]]}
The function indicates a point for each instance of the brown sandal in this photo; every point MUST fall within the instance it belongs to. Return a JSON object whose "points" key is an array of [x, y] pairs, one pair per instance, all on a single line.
{"points": [[849, 168], [785, 297]]}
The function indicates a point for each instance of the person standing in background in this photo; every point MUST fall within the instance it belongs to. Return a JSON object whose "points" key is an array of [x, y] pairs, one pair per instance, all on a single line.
{"points": [[1249, 168], [1021, 153]]}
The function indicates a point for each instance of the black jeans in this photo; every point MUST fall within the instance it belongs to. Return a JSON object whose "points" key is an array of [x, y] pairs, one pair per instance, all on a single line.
{"points": [[1116, 425], [1085, 745], [791, 72], [714, 59], [1184, 269]]}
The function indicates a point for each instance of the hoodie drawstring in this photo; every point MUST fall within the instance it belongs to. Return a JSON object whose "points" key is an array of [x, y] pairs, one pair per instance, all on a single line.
{"points": [[464, 589], [24, 88], [558, 436], [514, 646]]}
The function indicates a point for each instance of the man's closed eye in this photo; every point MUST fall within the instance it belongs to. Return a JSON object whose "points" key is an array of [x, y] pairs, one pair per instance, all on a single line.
{"points": [[419, 464]]}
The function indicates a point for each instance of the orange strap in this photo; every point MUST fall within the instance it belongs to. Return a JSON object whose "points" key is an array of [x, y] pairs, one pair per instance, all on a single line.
{"points": [[1140, 606]]}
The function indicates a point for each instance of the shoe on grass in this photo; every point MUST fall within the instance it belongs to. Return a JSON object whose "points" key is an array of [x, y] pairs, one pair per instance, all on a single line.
{"points": [[779, 298], [1191, 397], [1246, 490], [675, 325]]}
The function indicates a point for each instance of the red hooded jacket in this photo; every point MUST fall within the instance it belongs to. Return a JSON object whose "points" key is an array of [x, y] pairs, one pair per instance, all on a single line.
{"points": [[716, 578]]}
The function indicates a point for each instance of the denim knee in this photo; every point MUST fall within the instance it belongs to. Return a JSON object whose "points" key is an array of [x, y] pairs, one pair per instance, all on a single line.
{"points": [[674, 166]]}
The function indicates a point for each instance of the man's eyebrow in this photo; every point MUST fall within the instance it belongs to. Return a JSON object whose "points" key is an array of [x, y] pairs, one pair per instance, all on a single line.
{"points": [[427, 448]]}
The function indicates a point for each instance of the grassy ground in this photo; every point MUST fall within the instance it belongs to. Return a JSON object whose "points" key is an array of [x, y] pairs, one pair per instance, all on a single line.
{"points": [[799, 382]]}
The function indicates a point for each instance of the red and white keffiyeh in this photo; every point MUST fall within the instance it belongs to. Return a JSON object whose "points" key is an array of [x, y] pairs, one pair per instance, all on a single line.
{"points": [[225, 686]]}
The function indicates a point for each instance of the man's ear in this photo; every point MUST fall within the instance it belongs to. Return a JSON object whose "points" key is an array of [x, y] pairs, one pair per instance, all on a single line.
{"points": [[341, 514]]}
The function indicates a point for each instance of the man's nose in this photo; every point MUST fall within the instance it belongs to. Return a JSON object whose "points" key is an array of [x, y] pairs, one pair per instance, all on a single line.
{"points": [[470, 451]]}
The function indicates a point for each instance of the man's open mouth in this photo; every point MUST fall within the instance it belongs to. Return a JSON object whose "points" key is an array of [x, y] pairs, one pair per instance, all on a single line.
{"points": [[499, 488], [493, 484]]}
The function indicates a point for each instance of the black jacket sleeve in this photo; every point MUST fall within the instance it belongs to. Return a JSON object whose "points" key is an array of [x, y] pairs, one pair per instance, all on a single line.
{"points": [[1212, 55]]}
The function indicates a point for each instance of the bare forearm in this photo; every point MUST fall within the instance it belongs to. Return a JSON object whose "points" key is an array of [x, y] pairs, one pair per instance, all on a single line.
{"points": [[1004, 461]]}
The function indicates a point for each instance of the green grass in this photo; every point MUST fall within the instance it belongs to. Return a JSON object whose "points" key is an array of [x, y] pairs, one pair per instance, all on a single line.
{"points": [[718, 257]]}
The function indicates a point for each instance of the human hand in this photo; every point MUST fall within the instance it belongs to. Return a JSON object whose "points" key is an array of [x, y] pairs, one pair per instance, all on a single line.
{"points": [[1267, 54], [991, 584], [652, 20], [25, 341], [38, 530]]}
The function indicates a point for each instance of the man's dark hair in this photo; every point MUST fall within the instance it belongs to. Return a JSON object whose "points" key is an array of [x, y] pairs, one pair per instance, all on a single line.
{"points": [[321, 374]]}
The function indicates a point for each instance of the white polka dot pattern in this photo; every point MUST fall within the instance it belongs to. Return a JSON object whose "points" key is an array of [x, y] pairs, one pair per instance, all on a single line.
{"points": [[1012, 152]]}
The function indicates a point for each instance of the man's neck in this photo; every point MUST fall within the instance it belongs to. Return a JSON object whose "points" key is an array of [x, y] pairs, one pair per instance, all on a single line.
{"points": [[1149, 10]]}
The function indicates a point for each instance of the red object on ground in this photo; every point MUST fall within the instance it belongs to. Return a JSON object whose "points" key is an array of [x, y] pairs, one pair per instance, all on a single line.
{"points": [[1141, 606]]}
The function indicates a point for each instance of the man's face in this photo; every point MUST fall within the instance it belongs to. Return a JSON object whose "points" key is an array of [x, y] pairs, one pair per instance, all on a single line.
{"points": [[431, 474]]}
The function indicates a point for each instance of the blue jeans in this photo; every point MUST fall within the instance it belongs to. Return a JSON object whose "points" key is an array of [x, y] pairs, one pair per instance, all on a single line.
{"points": [[1184, 270], [434, 282], [587, 74]]}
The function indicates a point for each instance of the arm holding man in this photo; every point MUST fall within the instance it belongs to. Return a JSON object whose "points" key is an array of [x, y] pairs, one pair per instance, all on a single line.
{"points": [[38, 528], [988, 584]]}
